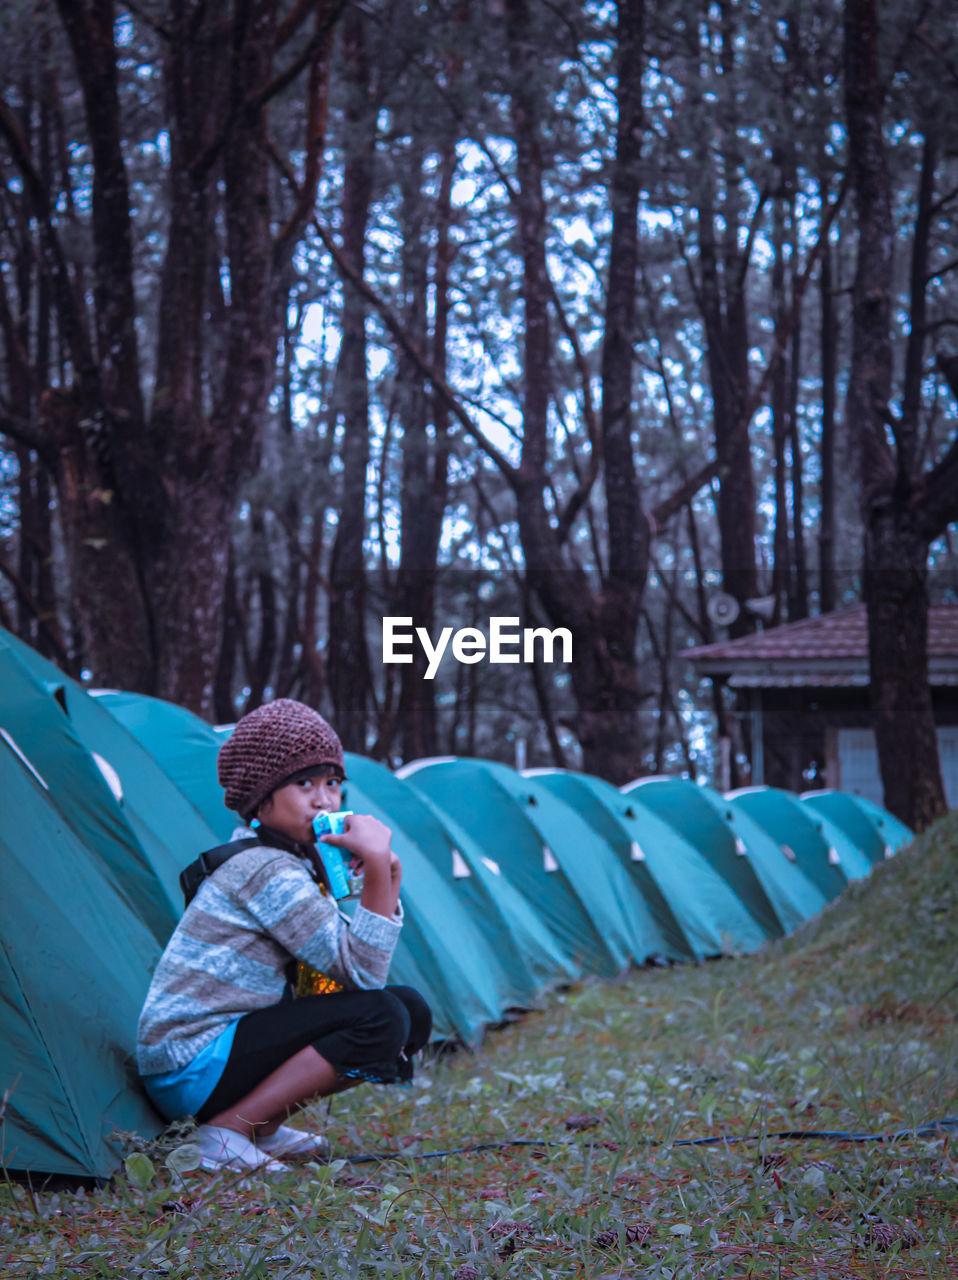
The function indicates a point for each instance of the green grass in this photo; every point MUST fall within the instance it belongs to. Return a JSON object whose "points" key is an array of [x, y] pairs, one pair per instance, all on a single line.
{"points": [[848, 1025]]}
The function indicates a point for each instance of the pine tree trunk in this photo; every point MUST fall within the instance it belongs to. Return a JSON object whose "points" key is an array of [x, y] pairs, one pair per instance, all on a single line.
{"points": [[724, 310], [348, 667], [828, 594], [422, 496], [781, 549], [604, 626], [896, 549], [896, 597], [620, 605]]}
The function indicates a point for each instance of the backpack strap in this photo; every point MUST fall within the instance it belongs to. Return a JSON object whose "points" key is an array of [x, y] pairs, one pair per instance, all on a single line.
{"points": [[192, 877]]}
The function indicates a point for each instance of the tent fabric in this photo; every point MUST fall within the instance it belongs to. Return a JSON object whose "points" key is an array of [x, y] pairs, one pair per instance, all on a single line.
{"points": [[776, 896], [697, 913], [830, 864], [528, 959], [854, 861], [75, 960], [896, 833], [793, 896], [873, 830], [183, 745], [166, 828], [551, 856], [594, 874], [440, 948], [36, 722], [842, 810]]}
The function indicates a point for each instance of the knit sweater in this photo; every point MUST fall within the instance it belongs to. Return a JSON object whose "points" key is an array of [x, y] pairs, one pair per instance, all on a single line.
{"points": [[229, 953]]}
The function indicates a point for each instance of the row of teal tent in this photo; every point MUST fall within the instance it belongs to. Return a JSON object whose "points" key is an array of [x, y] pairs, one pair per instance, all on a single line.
{"points": [[513, 883]]}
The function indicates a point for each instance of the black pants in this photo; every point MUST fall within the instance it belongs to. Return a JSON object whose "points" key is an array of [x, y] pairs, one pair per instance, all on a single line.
{"points": [[363, 1035]]}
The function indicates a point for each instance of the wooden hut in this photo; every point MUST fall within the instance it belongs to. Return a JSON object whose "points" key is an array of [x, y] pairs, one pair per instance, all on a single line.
{"points": [[801, 692]]}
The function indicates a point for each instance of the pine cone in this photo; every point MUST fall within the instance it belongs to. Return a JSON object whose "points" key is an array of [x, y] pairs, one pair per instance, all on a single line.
{"points": [[583, 1121], [883, 1235], [506, 1227], [639, 1232], [177, 1206], [466, 1272], [635, 1233]]}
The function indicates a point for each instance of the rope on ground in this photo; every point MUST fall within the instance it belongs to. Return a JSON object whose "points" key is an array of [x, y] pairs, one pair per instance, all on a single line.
{"points": [[932, 1129]]}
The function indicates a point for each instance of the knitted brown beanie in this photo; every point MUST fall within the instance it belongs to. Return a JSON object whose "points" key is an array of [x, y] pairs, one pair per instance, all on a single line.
{"points": [[267, 746]]}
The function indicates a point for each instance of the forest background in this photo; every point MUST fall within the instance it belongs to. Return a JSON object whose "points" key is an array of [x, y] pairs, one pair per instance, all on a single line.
{"points": [[313, 312]]}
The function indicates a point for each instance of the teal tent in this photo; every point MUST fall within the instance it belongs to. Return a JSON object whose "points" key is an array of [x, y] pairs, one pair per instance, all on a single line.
{"points": [[527, 957], [895, 832], [826, 857], [696, 911], [441, 950], [875, 831], [854, 860], [793, 895], [35, 722], [550, 855], [75, 961], [776, 895], [183, 745], [166, 828]]}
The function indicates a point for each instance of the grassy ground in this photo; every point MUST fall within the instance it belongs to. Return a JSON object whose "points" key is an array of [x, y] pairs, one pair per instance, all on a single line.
{"points": [[850, 1025]]}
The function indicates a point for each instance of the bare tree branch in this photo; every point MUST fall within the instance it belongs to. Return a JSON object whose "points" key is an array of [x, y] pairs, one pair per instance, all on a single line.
{"points": [[398, 331], [705, 474], [750, 239], [581, 495], [289, 25], [317, 91], [944, 200], [54, 259], [310, 51], [941, 271], [257, 101]]}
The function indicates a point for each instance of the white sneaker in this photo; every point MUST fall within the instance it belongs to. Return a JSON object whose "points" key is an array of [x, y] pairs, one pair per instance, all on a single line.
{"points": [[222, 1148], [293, 1143]]}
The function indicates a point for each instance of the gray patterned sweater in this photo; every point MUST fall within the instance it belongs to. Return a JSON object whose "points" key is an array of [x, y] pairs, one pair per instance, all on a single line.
{"points": [[229, 952]]}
